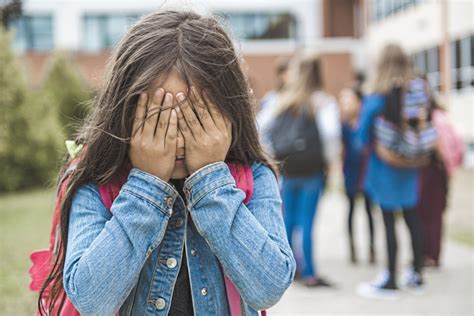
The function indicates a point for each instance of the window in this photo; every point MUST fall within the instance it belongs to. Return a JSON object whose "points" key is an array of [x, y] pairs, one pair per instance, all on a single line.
{"points": [[455, 65], [384, 8], [432, 68], [261, 26], [102, 32], [33, 33], [462, 63], [467, 65], [419, 59], [427, 63]]}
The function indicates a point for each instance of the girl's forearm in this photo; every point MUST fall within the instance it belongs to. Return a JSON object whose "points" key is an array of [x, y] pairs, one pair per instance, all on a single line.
{"points": [[251, 245], [105, 255]]}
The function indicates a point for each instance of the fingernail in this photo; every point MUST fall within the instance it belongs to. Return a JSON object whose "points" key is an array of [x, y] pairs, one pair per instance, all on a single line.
{"points": [[159, 92], [168, 97], [180, 97], [158, 95]]}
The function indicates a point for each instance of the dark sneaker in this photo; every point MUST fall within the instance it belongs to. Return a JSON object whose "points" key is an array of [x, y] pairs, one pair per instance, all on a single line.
{"points": [[317, 282], [383, 288]]}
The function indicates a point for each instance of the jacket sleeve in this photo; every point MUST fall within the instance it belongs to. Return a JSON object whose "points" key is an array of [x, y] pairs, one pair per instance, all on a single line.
{"points": [[249, 240], [105, 252], [372, 105]]}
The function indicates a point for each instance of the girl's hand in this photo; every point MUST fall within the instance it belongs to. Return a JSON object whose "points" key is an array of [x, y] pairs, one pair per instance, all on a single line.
{"points": [[207, 134], [154, 135]]}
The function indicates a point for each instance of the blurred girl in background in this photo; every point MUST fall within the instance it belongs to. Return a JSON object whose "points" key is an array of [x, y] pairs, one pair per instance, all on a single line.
{"points": [[305, 136], [354, 165], [391, 182], [434, 186]]}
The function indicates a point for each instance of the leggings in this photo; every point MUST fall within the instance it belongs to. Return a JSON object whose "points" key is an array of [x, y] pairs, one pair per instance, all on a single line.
{"points": [[368, 209], [413, 223]]}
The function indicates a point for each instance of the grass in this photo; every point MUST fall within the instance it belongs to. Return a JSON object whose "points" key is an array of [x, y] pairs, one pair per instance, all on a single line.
{"points": [[465, 237], [24, 226]]}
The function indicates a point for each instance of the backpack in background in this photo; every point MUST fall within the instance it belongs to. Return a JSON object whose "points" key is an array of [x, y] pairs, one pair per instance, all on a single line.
{"points": [[450, 144], [297, 144], [406, 131]]}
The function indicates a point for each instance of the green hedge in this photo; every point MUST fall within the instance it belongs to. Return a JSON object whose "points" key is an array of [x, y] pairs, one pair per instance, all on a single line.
{"points": [[35, 124]]}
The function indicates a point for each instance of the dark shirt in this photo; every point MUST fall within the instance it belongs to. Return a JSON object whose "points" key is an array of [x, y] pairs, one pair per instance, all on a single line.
{"points": [[182, 302]]}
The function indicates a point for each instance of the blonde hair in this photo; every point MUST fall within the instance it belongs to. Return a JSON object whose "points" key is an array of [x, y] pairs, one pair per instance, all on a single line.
{"points": [[394, 67], [304, 79]]}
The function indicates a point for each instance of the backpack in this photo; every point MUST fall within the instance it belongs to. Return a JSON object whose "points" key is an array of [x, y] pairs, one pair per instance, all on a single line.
{"points": [[451, 145], [296, 143], [408, 132], [42, 259]]}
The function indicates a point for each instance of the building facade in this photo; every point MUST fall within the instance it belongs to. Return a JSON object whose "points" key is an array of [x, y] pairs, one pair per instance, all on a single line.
{"points": [[264, 31]]}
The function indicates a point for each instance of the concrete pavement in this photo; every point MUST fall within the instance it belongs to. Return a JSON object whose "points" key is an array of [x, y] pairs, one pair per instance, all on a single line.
{"points": [[449, 290]]}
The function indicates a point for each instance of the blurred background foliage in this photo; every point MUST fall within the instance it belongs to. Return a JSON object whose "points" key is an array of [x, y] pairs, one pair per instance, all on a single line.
{"points": [[35, 123]]}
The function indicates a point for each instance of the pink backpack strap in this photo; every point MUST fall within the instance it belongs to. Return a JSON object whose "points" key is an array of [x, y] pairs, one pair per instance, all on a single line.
{"points": [[243, 178], [110, 190]]}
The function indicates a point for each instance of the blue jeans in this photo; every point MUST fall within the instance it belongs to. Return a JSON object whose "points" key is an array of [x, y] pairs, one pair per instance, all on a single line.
{"points": [[300, 199]]}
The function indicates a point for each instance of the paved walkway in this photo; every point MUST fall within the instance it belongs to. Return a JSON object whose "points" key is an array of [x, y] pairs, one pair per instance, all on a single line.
{"points": [[449, 290]]}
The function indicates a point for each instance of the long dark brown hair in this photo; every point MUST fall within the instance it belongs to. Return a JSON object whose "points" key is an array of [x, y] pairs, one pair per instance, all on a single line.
{"points": [[203, 54]]}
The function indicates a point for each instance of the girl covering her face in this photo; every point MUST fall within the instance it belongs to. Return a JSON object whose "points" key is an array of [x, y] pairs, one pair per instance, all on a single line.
{"points": [[174, 110]]}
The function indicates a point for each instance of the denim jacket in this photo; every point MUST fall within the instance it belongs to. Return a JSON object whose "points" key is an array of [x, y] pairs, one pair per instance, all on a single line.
{"points": [[127, 260]]}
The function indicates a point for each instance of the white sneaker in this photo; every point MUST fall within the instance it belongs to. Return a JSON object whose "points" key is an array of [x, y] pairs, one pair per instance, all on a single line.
{"points": [[413, 282], [383, 288]]}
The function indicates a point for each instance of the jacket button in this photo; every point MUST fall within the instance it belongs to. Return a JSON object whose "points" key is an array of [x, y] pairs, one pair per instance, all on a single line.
{"points": [[204, 291], [171, 263], [193, 252], [160, 304], [169, 201]]}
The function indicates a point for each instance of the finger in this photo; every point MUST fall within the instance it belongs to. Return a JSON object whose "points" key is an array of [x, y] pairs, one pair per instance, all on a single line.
{"points": [[189, 116], [164, 118], [140, 114], [209, 104], [219, 119], [202, 111], [153, 114], [182, 125], [172, 132]]}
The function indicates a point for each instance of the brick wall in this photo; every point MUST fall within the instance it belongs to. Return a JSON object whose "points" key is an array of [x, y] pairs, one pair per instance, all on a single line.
{"points": [[337, 70]]}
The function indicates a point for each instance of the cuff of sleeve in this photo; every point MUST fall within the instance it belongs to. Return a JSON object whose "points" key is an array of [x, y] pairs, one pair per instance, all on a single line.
{"points": [[206, 180], [152, 189]]}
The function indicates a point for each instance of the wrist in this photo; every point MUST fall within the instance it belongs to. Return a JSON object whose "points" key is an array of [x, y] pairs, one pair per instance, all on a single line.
{"points": [[156, 173], [197, 167]]}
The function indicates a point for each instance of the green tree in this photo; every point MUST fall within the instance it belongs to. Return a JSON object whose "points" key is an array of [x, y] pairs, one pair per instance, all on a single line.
{"points": [[35, 124], [14, 142], [66, 91]]}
